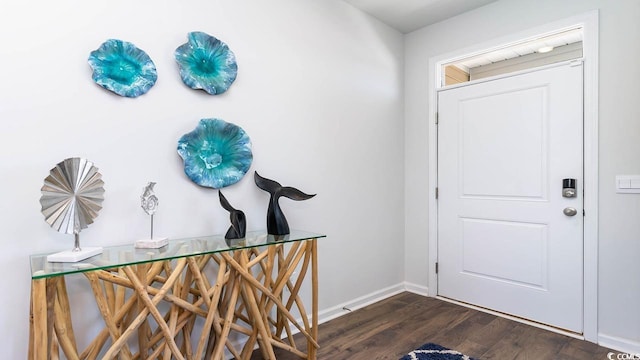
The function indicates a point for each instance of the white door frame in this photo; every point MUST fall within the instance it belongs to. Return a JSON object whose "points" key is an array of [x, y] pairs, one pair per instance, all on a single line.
{"points": [[589, 23]]}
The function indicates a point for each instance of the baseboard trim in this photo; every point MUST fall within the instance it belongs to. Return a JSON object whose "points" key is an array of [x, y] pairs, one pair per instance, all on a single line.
{"points": [[620, 344], [355, 304], [416, 289]]}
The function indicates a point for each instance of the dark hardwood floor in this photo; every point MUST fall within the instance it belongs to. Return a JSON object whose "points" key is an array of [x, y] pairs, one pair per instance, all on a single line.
{"points": [[392, 327]]}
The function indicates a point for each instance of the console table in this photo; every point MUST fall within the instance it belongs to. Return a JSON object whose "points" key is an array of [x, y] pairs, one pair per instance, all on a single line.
{"points": [[242, 293]]}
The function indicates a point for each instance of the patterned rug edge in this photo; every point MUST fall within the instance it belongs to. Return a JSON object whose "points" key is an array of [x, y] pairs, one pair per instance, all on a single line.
{"points": [[431, 351]]}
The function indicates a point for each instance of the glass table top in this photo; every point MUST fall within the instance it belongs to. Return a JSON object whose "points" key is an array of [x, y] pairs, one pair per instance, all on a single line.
{"points": [[122, 255]]}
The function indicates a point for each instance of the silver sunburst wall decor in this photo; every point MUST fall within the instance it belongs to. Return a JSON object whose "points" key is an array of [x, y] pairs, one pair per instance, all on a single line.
{"points": [[72, 196]]}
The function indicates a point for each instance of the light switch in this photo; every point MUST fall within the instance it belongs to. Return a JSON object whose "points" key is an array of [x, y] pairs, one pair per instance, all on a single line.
{"points": [[628, 184]]}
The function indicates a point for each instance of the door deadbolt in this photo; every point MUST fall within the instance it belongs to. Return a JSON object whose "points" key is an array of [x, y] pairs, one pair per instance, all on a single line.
{"points": [[569, 188], [570, 211]]}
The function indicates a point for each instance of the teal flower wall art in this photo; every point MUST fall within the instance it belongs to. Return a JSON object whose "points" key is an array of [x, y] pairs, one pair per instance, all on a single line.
{"points": [[216, 153], [206, 63], [120, 67]]}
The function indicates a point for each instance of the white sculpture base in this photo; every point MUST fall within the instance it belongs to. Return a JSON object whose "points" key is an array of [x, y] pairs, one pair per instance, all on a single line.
{"points": [[74, 256], [151, 243]]}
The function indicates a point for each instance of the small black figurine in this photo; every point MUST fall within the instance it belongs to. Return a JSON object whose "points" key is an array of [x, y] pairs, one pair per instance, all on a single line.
{"points": [[276, 222], [238, 228]]}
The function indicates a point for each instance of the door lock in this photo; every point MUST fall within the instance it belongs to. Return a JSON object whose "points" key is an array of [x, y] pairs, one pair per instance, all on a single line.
{"points": [[569, 188]]}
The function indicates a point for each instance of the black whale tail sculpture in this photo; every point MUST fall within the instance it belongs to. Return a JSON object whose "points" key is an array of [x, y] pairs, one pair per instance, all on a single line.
{"points": [[238, 228], [276, 222]]}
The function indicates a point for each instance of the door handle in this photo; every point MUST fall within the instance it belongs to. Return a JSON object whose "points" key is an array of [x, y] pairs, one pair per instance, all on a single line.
{"points": [[569, 211]]}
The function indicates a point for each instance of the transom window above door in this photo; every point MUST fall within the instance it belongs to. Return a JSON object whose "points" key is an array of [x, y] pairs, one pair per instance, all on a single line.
{"points": [[530, 53]]}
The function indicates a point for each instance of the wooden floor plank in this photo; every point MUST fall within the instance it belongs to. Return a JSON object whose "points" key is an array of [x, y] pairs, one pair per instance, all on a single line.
{"points": [[394, 326]]}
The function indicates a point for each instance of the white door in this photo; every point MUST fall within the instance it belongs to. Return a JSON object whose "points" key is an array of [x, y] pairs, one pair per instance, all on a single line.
{"points": [[504, 241]]}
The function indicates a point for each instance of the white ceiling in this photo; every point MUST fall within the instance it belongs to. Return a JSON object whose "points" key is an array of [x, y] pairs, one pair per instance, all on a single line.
{"points": [[410, 15]]}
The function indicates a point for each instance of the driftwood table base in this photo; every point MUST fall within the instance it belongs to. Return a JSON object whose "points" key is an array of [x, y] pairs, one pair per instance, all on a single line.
{"points": [[205, 306]]}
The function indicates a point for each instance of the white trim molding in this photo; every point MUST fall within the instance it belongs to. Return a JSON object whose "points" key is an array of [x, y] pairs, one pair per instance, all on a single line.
{"points": [[620, 344], [416, 289], [368, 299], [589, 23], [358, 303]]}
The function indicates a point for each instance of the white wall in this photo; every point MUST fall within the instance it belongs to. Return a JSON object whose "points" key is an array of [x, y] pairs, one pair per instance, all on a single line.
{"points": [[319, 91], [619, 145]]}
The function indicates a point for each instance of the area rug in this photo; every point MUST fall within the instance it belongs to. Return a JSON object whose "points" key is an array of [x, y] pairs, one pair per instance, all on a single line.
{"points": [[432, 351]]}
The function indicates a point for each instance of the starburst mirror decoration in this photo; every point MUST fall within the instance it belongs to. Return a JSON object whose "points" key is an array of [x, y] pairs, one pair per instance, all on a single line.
{"points": [[72, 196]]}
